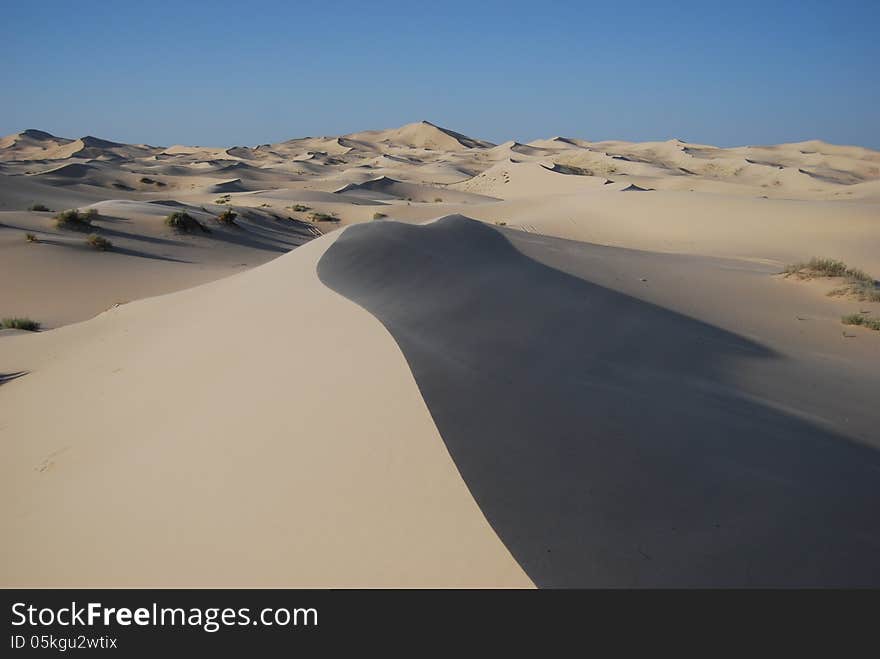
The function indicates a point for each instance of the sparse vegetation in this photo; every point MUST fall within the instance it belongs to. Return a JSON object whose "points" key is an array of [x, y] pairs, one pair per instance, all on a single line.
{"points": [[379, 216], [224, 199], [20, 323], [501, 223], [227, 217], [149, 181], [299, 208], [184, 223], [99, 242], [75, 219], [31, 238], [819, 267], [438, 199], [40, 208], [862, 291], [862, 320], [323, 217], [265, 205], [859, 284], [573, 170]]}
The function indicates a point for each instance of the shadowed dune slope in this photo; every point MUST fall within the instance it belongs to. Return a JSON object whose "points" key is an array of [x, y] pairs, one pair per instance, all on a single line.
{"points": [[609, 441]]}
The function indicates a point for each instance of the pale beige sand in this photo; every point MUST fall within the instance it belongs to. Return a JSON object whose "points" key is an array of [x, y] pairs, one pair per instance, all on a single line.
{"points": [[60, 279], [258, 431]]}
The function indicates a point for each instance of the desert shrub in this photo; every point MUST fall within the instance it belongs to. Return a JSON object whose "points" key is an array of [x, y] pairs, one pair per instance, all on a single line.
{"points": [[573, 170], [862, 291], [299, 208], [861, 320], [73, 218], [20, 323], [323, 217], [438, 199], [819, 267], [184, 222], [227, 217], [31, 238], [379, 216], [501, 223], [868, 294], [41, 208], [859, 284], [98, 242]]}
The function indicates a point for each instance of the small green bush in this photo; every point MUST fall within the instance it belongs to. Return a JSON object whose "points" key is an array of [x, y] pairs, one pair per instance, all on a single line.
{"points": [[323, 217], [438, 199], [299, 208], [184, 223], [861, 320], [41, 208], [227, 217], [20, 323], [819, 267], [859, 284], [379, 216], [98, 242], [31, 238], [861, 291], [573, 170], [75, 219]]}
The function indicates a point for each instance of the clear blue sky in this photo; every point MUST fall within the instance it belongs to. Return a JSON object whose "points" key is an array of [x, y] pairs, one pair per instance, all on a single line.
{"points": [[224, 73]]}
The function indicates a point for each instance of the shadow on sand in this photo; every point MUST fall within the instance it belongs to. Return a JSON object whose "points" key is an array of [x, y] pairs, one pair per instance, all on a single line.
{"points": [[8, 377], [604, 438]]}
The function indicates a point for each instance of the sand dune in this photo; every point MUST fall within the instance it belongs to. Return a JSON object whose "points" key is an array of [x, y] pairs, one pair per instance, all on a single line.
{"points": [[561, 363], [422, 135], [530, 374], [31, 144], [371, 498], [389, 188]]}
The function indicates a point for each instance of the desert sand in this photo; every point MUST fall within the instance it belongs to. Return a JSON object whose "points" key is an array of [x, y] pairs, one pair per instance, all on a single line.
{"points": [[417, 358]]}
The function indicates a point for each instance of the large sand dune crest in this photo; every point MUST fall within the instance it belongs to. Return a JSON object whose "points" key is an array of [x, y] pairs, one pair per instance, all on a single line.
{"points": [[610, 442]]}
